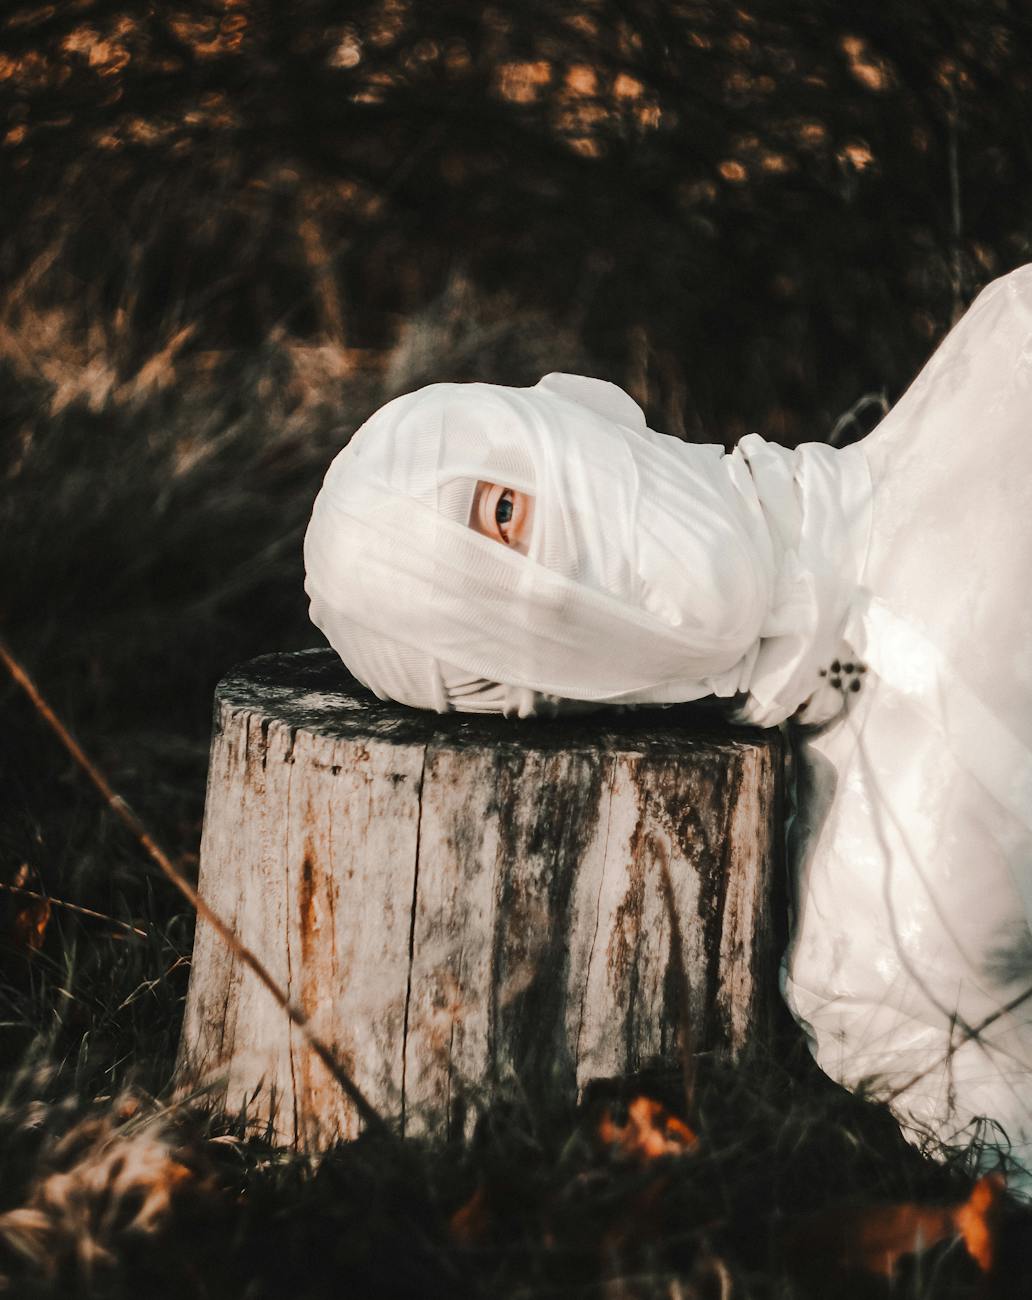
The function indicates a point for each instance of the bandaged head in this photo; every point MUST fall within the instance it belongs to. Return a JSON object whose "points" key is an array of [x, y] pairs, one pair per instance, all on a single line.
{"points": [[652, 574]]}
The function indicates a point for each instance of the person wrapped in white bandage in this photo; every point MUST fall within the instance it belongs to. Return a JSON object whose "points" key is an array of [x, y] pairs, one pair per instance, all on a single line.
{"points": [[478, 547]]}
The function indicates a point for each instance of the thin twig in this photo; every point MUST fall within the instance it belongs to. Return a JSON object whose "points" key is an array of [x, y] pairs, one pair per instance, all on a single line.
{"points": [[852, 416], [372, 1118], [968, 1033], [72, 907]]}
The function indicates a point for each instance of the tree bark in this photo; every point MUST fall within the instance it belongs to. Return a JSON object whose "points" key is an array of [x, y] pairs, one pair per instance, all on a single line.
{"points": [[467, 905]]}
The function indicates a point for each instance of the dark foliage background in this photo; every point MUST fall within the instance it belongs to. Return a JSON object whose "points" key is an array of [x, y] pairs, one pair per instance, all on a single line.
{"points": [[232, 228]]}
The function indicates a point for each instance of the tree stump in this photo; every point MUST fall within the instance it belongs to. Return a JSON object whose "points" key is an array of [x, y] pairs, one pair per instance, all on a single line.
{"points": [[468, 904]]}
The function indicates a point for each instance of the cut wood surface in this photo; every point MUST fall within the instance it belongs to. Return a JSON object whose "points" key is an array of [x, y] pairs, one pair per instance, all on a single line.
{"points": [[466, 905]]}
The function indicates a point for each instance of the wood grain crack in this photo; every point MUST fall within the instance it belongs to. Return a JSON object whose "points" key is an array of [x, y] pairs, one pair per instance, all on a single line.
{"points": [[287, 932], [598, 914], [412, 939]]}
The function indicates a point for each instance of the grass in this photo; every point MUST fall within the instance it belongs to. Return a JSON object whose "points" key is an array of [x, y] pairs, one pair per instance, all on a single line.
{"points": [[120, 1197], [141, 569]]}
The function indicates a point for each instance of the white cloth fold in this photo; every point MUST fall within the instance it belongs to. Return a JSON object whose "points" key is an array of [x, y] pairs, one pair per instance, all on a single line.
{"points": [[911, 953]]}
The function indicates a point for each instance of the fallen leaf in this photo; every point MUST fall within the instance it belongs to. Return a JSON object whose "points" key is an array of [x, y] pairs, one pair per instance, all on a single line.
{"points": [[29, 926], [650, 1131], [975, 1219], [873, 1239], [29, 915]]}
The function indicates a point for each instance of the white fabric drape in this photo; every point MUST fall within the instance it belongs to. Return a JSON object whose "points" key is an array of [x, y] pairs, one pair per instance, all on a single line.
{"points": [[911, 957], [661, 571]]}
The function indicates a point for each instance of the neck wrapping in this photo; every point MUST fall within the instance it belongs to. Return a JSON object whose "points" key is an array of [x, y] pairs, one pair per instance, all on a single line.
{"points": [[817, 503]]}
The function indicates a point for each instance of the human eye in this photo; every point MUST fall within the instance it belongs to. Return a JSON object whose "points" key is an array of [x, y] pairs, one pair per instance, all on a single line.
{"points": [[503, 514]]}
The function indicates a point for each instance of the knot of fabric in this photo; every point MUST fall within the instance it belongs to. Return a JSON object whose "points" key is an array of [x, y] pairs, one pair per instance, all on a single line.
{"points": [[817, 502]]}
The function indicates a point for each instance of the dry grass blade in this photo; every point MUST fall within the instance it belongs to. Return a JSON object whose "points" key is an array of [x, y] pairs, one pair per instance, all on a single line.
{"points": [[966, 1034], [370, 1116]]}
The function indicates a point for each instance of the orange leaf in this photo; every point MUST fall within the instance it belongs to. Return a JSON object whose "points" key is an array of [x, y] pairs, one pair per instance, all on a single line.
{"points": [[650, 1131], [874, 1239], [975, 1219], [29, 924]]}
